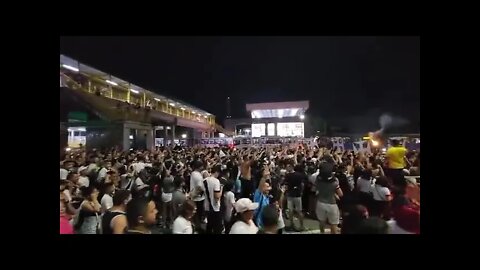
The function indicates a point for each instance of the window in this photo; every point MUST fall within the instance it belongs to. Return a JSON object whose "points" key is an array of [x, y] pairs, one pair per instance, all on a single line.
{"points": [[83, 133], [76, 133]]}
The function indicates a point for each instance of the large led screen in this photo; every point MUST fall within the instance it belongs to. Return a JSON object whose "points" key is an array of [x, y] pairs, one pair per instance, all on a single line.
{"points": [[293, 129], [258, 130]]}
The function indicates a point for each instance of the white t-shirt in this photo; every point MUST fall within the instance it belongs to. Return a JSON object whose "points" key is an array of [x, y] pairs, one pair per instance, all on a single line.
{"points": [[241, 227], [102, 173], [67, 195], [364, 185], [213, 186], [281, 223], [182, 226], [106, 202], [63, 174], [196, 180], [83, 181], [380, 193], [229, 198], [138, 167]]}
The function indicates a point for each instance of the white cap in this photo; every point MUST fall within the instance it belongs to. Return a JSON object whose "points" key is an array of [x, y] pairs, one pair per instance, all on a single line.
{"points": [[245, 204]]}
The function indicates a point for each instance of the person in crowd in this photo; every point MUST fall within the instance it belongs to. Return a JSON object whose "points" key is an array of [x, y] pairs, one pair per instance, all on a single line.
{"points": [[88, 214], [178, 195], [364, 188], [381, 198], [107, 199], [229, 202], [275, 201], [396, 159], [328, 190], [212, 201], [295, 181], [373, 225], [244, 224], [167, 194], [353, 215], [197, 190], [183, 222], [269, 220], [83, 180], [246, 176], [114, 220], [262, 197], [141, 215], [65, 226]]}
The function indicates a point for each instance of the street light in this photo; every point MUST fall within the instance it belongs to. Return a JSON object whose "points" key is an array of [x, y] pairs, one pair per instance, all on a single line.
{"points": [[302, 116], [184, 136]]}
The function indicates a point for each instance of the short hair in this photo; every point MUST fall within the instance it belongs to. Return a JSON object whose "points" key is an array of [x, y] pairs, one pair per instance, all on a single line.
{"points": [[373, 225], [87, 191], [120, 196], [178, 181], [382, 181], [197, 164], [187, 206], [217, 168], [135, 208], [270, 215], [70, 175], [395, 142]]}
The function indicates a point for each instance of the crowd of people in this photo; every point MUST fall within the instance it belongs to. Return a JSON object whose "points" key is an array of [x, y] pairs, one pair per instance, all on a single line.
{"points": [[256, 190]]}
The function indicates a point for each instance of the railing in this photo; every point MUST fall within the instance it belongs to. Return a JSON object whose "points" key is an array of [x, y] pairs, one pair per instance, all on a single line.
{"points": [[96, 86]]}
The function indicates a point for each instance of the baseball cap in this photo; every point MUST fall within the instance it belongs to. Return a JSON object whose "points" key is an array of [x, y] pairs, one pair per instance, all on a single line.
{"points": [[245, 204]]}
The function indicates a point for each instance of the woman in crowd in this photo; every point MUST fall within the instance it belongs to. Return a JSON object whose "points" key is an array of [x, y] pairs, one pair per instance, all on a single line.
{"points": [[244, 218], [328, 190], [141, 215], [88, 219], [183, 223], [114, 221]]}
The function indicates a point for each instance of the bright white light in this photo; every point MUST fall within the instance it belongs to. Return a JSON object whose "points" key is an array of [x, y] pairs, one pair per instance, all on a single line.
{"points": [[171, 104], [70, 68], [184, 136], [134, 91], [112, 83], [280, 113], [157, 99], [302, 116], [68, 149], [130, 137], [183, 109], [384, 150], [221, 135], [374, 143], [169, 127], [205, 116]]}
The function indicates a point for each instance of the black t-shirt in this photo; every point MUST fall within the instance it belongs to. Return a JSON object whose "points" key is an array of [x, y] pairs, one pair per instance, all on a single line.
{"points": [[294, 182]]}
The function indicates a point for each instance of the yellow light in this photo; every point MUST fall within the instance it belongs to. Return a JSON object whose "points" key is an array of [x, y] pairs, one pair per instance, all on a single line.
{"points": [[374, 143], [366, 138]]}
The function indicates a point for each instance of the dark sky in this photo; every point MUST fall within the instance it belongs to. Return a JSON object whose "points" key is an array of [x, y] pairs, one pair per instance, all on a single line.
{"points": [[343, 77]]}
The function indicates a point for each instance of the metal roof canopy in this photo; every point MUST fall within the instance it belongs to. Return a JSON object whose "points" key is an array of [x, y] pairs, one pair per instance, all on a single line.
{"points": [[278, 109], [65, 60]]}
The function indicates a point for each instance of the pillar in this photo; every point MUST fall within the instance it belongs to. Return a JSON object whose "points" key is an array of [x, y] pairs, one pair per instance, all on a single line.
{"points": [[173, 134], [150, 139], [126, 138]]}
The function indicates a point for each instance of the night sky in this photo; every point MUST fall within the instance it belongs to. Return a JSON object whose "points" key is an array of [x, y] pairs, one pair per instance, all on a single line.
{"points": [[348, 80]]}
